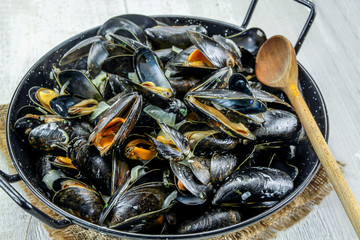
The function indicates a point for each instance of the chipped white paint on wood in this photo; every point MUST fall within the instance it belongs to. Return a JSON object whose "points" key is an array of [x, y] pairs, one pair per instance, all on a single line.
{"points": [[28, 29]]}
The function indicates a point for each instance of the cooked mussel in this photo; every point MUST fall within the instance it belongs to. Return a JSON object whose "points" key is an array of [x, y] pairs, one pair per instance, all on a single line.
{"points": [[172, 145], [209, 220], [139, 147], [49, 136], [168, 36], [116, 122], [210, 53], [68, 106], [78, 199], [42, 96], [250, 39], [255, 184], [80, 50], [191, 190], [78, 84], [228, 111], [123, 27], [139, 207]]}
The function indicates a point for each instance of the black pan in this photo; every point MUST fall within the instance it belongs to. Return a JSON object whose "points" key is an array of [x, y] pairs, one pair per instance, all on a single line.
{"points": [[23, 157]]}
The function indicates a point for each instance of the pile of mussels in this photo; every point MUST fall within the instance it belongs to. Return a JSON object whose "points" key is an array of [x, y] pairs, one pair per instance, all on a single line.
{"points": [[160, 129]]}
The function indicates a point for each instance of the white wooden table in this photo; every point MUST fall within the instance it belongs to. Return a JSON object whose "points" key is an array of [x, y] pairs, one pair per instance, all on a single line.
{"points": [[331, 52]]}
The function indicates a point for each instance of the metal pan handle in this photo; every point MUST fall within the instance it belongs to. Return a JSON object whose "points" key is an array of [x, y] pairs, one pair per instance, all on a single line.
{"points": [[6, 179], [305, 29]]}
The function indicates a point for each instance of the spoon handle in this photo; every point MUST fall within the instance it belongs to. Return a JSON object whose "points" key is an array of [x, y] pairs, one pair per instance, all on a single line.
{"points": [[323, 152]]}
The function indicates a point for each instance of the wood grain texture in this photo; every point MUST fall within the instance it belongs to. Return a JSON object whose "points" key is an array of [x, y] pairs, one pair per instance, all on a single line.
{"points": [[28, 29]]}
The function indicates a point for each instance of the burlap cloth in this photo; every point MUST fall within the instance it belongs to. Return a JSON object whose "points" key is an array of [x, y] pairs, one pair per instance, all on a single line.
{"points": [[296, 210]]}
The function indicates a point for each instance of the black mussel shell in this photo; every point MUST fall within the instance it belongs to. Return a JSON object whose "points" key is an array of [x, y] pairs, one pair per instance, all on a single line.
{"points": [[81, 201], [212, 50], [222, 166], [190, 182], [68, 106], [123, 27], [208, 142], [279, 125], [148, 69], [142, 21], [238, 82], [130, 45], [216, 80], [49, 136], [78, 85], [210, 220], [80, 50], [168, 36], [200, 166], [97, 55], [250, 39], [256, 184], [165, 54], [119, 65], [24, 125], [128, 107]]}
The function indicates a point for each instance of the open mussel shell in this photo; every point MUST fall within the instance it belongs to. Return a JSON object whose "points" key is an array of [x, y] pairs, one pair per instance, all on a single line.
{"points": [[119, 65], [139, 176], [212, 50], [142, 21], [165, 54], [68, 106], [271, 100], [130, 45], [250, 39], [24, 125], [178, 59], [148, 69], [191, 184], [79, 51], [42, 96], [66, 165], [139, 147], [216, 80], [233, 100], [255, 184], [231, 48], [30, 110], [176, 148], [78, 84], [123, 27], [121, 118], [205, 141], [97, 55], [227, 111], [210, 220], [168, 36], [151, 96], [78, 199]]}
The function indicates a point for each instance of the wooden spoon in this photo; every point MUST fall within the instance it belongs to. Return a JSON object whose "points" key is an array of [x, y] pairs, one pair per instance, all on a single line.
{"points": [[276, 66]]}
